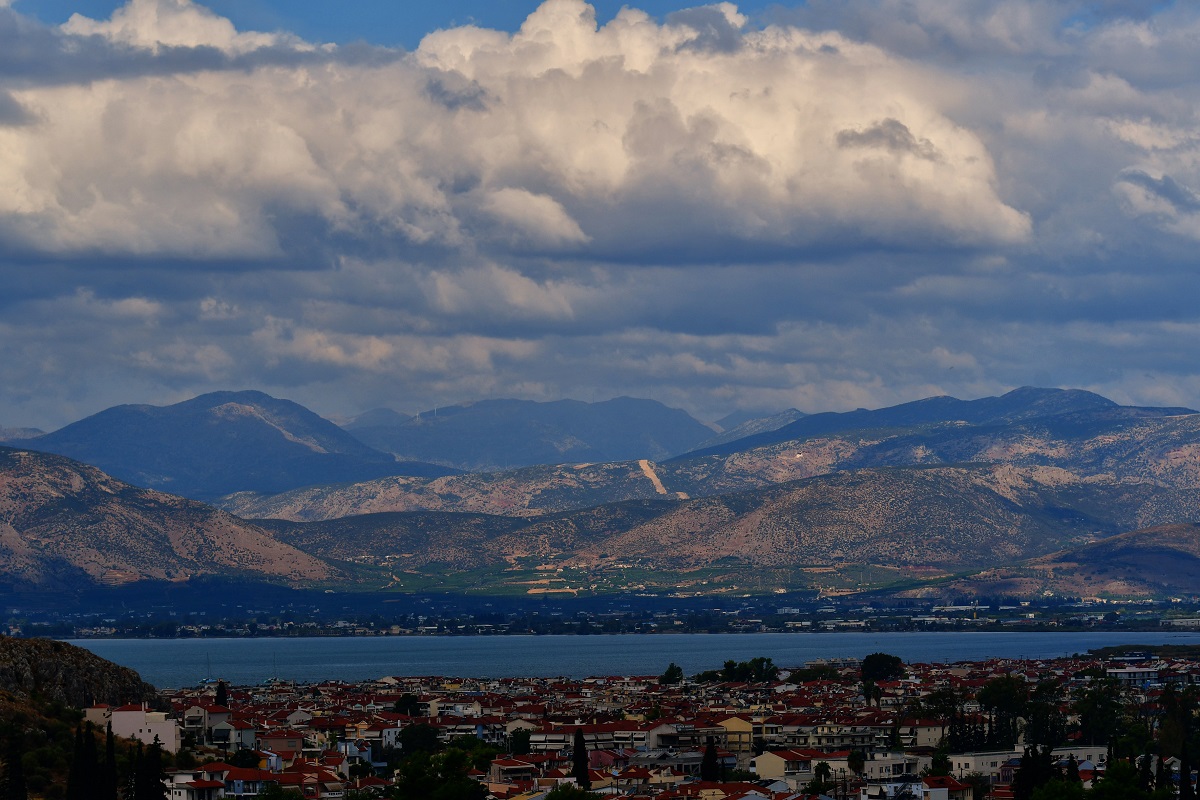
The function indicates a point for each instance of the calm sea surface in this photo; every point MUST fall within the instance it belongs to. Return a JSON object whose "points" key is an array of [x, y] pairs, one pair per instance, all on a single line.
{"points": [[168, 663]]}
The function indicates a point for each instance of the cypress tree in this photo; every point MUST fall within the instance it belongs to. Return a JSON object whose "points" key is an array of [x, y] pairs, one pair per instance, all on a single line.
{"points": [[109, 779], [710, 767], [1186, 790], [135, 770], [1143, 774], [75, 774], [12, 785], [148, 783], [89, 765], [579, 762], [1072, 769]]}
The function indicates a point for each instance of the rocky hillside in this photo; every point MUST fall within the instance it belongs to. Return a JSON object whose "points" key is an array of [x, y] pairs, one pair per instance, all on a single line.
{"points": [[1035, 476], [1020, 404], [220, 443], [1152, 562], [58, 672], [502, 434], [19, 434], [1107, 445], [63, 524], [896, 524], [532, 491]]}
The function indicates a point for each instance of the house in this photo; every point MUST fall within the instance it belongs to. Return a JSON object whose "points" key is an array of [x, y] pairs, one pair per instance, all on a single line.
{"points": [[135, 722], [786, 763], [233, 735], [193, 785], [288, 741]]}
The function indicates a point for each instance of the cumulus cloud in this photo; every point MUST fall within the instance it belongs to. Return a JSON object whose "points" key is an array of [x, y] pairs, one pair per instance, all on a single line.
{"points": [[560, 135], [835, 205], [156, 24]]}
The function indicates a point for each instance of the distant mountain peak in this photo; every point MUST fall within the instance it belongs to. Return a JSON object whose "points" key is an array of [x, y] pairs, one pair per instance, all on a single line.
{"points": [[223, 442], [1024, 403], [501, 433]]}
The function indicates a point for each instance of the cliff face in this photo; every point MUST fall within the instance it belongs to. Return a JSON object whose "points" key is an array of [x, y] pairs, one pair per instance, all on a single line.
{"points": [[56, 671]]}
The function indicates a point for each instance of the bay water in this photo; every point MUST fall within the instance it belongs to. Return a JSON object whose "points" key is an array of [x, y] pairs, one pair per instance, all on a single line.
{"points": [[175, 663]]}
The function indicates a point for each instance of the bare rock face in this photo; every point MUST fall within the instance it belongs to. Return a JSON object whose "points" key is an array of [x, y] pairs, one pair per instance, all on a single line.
{"points": [[57, 671]]}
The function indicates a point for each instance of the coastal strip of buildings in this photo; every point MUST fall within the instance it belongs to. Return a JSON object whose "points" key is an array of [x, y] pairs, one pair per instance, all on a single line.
{"points": [[645, 739]]}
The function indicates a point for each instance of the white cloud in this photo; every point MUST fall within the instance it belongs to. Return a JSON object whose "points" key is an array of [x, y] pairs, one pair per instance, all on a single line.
{"points": [[628, 138], [538, 217], [171, 23], [858, 204]]}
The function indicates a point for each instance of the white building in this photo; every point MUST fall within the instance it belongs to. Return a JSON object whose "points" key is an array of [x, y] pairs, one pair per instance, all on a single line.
{"points": [[135, 722]]}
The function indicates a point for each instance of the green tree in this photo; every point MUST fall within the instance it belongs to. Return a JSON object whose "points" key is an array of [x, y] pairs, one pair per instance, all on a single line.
{"points": [[1072, 773], [1186, 790], [857, 762], [580, 769], [273, 791], [222, 698], [1058, 789], [980, 785], [672, 675], [569, 791], [821, 780], [75, 780], [479, 753], [939, 764], [1099, 709], [246, 759], [710, 766], [1045, 723], [438, 777], [12, 782], [1143, 772], [1175, 723], [419, 738], [518, 742], [1004, 700], [882, 667], [1036, 769], [1120, 782], [817, 672], [408, 704], [110, 779], [878, 667], [148, 783]]}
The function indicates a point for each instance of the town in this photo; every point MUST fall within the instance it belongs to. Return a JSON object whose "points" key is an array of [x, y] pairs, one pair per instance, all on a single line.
{"points": [[872, 728], [441, 615]]}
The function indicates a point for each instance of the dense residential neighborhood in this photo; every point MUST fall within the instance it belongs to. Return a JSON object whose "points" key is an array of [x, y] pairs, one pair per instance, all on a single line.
{"points": [[871, 729]]}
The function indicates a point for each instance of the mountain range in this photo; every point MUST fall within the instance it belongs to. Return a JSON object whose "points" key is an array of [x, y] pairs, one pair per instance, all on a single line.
{"points": [[220, 443], [1037, 490], [501, 434], [64, 524]]}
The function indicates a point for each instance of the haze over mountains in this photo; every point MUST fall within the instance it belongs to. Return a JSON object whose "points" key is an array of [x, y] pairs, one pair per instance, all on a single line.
{"points": [[937, 495], [494, 434]]}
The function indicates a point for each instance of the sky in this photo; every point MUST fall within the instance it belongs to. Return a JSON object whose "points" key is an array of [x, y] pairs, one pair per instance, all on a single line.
{"points": [[825, 206]]}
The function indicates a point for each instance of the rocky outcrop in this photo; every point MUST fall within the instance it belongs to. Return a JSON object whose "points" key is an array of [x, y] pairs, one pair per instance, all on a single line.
{"points": [[59, 672]]}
